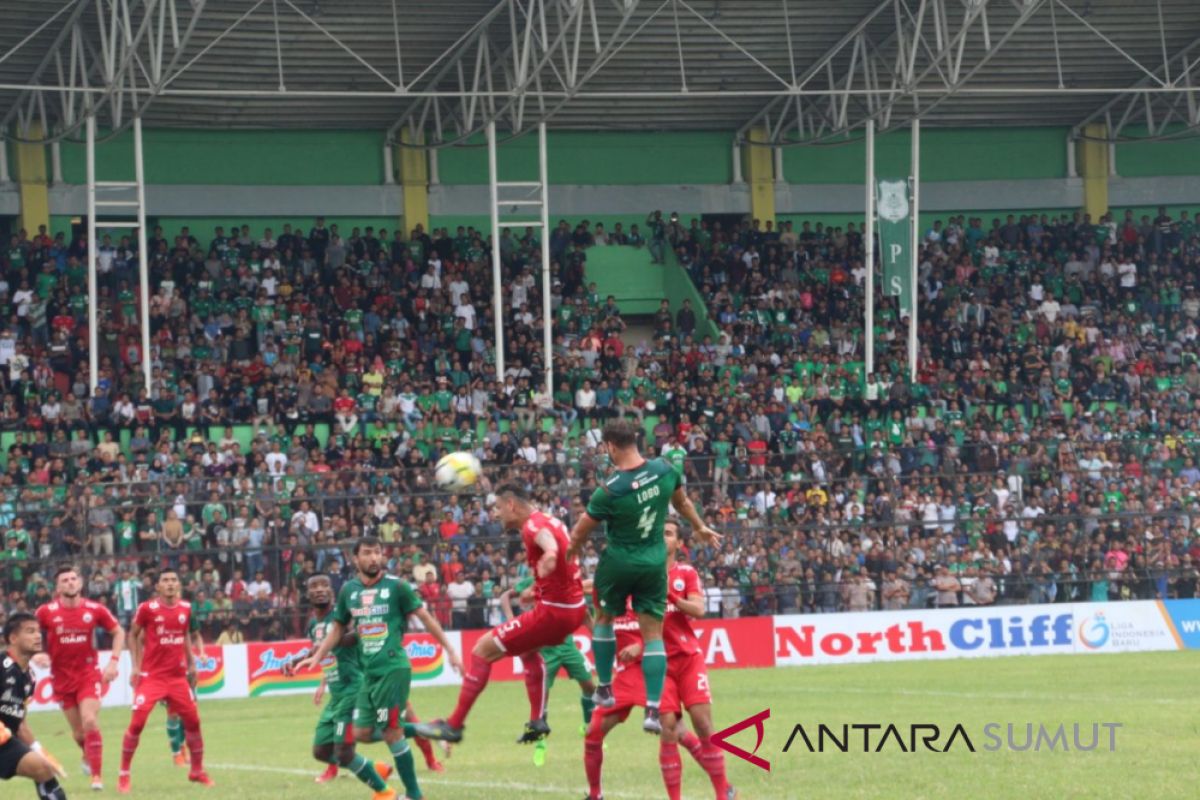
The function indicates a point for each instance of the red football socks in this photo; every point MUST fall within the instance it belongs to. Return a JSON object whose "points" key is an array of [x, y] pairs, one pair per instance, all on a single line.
{"points": [[535, 683], [474, 682], [672, 768], [93, 751]]}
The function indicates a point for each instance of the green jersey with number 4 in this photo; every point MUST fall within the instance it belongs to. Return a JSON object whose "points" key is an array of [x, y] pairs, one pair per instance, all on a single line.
{"points": [[380, 613], [634, 503], [342, 674]]}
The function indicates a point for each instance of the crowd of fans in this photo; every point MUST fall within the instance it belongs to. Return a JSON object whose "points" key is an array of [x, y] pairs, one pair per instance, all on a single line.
{"points": [[304, 382]]}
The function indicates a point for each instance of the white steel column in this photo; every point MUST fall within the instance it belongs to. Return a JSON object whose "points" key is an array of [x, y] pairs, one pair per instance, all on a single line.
{"points": [[497, 300], [125, 200], [531, 197], [434, 180], [4, 178], [143, 256], [737, 162], [92, 256], [56, 177], [547, 332], [389, 172], [869, 251], [915, 244]]}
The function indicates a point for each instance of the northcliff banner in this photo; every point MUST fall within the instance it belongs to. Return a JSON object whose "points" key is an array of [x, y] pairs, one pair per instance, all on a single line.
{"points": [[256, 669]]}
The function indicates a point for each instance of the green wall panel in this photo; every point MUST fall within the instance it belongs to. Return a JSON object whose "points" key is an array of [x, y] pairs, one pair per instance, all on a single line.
{"points": [[243, 158], [598, 158], [483, 222], [946, 155], [1150, 159]]}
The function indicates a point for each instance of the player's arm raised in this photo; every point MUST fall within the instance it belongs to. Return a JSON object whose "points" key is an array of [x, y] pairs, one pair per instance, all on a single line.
{"points": [[435, 630], [683, 504], [580, 533]]}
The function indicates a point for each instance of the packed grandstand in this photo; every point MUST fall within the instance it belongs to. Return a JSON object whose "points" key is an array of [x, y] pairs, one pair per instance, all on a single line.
{"points": [[305, 379]]}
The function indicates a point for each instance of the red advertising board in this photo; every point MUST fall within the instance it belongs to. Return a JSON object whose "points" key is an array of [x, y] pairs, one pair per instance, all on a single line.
{"points": [[727, 643]]}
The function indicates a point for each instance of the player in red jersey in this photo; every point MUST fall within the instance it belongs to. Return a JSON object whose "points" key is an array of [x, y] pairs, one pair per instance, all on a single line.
{"points": [[164, 664], [686, 669], [559, 611], [69, 624], [629, 692]]}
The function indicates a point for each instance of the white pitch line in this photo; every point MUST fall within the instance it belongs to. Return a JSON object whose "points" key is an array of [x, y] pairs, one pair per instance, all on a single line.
{"points": [[537, 788]]}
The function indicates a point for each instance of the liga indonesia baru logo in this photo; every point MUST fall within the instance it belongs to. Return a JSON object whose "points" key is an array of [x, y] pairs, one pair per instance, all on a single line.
{"points": [[1094, 631]]}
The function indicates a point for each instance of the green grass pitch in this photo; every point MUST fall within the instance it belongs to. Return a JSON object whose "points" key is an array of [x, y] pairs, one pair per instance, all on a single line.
{"points": [[260, 748]]}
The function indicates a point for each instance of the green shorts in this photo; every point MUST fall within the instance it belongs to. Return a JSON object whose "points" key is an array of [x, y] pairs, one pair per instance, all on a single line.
{"points": [[566, 655], [334, 726], [381, 701], [618, 578]]}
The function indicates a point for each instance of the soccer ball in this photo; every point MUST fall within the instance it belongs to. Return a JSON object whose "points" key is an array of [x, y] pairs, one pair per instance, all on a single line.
{"points": [[457, 471]]}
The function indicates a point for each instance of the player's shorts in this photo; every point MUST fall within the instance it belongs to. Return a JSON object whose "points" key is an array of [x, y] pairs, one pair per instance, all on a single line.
{"points": [[70, 691], [336, 724], [11, 753], [629, 691], [566, 655], [381, 701], [690, 677], [618, 579], [179, 696], [541, 626]]}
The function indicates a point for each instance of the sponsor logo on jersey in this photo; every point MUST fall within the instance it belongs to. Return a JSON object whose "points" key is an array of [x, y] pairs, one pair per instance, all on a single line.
{"points": [[373, 630]]}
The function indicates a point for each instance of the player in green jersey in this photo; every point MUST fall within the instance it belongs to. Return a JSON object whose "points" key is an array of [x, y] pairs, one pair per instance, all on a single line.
{"points": [[634, 502], [380, 605], [333, 742], [560, 656]]}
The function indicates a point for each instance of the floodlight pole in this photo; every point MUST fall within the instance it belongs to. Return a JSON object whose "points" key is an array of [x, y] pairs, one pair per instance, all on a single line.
{"points": [[915, 257], [869, 251], [547, 332], [93, 256], [497, 300], [143, 257]]}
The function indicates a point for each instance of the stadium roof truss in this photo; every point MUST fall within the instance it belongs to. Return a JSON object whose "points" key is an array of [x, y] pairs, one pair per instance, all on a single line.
{"points": [[778, 72]]}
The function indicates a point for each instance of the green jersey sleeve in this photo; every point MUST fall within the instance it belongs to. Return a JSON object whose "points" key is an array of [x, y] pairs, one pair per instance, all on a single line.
{"points": [[341, 611], [600, 506], [407, 601]]}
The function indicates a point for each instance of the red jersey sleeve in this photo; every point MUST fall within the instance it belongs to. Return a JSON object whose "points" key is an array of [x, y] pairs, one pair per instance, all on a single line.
{"points": [[43, 616], [141, 616], [684, 581], [104, 618]]}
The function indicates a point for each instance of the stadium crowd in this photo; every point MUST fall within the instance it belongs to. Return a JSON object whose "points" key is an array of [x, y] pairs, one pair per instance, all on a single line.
{"points": [[305, 381]]}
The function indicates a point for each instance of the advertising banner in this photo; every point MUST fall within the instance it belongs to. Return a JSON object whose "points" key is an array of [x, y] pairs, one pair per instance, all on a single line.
{"points": [[265, 663], [972, 632], [256, 669]]}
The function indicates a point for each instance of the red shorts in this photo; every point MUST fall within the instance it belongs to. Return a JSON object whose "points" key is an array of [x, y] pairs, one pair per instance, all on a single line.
{"points": [[690, 676], [71, 690], [629, 690], [181, 700], [542, 626]]}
